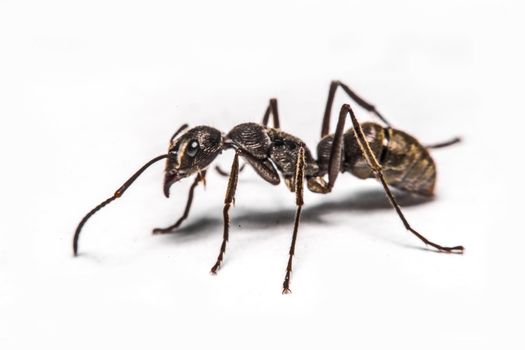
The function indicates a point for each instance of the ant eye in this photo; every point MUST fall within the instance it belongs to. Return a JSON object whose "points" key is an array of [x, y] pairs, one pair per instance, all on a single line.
{"points": [[192, 149]]}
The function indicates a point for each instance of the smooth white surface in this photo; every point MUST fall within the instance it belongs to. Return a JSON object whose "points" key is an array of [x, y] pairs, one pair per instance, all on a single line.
{"points": [[91, 92]]}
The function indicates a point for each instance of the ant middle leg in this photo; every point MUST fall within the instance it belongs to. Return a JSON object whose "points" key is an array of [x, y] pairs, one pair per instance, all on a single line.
{"points": [[325, 129], [376, 168], [273, 110], [200, 177], [298, 187], [228, 201]]}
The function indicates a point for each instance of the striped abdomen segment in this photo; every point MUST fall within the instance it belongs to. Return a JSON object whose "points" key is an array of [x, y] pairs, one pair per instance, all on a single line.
{"points": [[406, 164]]}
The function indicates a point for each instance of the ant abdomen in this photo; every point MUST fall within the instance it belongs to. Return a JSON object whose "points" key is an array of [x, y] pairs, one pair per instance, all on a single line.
{"points": [[406, 164]]}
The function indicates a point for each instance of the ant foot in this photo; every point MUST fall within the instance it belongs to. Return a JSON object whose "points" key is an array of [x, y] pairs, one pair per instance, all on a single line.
{"points": [[161, 231], [215, 267], [454, 250]]}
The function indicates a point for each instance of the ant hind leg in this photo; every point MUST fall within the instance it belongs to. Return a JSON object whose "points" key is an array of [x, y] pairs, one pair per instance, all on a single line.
{"points": [[325, 129], [376, 168], [444, 144]]}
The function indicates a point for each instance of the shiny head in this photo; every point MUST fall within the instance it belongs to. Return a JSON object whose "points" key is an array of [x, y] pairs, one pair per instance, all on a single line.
{"points": [[190, 153]]}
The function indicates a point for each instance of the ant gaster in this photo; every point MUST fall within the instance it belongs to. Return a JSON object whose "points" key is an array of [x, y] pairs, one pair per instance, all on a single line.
{"points": [[367, 150]]}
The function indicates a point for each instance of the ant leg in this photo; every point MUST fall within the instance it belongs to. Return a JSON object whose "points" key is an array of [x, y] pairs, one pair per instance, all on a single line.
{"points": [[365, 105], [200, 177], [272, 108], [444, 144], [298, 184], [225, 173], [325, 129], [228, 200], [317, 184], [376, 168], [336, 153]]}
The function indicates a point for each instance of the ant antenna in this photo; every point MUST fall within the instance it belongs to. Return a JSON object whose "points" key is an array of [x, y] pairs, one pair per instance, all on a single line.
{"points": [[117, 194], [184, 126]]}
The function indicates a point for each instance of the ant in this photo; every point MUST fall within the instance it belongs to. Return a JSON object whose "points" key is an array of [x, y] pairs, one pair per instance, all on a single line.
{"points": [[367, 150]]}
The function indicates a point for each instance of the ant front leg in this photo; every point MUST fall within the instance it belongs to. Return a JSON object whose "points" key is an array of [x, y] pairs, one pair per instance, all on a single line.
{"points": [[298, 187], [376, 168], [200, 177], [228, 201]]}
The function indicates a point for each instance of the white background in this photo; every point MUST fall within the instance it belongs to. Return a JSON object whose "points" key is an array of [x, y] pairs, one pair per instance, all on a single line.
{"points": [[89, 92]]}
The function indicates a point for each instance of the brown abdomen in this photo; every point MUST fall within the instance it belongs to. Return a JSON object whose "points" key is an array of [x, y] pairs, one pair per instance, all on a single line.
{"points": [[406, 164]]}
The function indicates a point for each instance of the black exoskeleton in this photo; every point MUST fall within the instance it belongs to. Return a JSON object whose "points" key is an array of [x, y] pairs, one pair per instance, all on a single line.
{"points": [[367, 150]]}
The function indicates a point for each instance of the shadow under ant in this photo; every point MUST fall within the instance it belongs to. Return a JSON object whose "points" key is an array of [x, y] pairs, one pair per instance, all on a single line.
{"points": [[360, 201]]}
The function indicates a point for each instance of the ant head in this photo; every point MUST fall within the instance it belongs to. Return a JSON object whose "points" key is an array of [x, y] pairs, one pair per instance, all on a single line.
{"points": [[191, 152]]}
